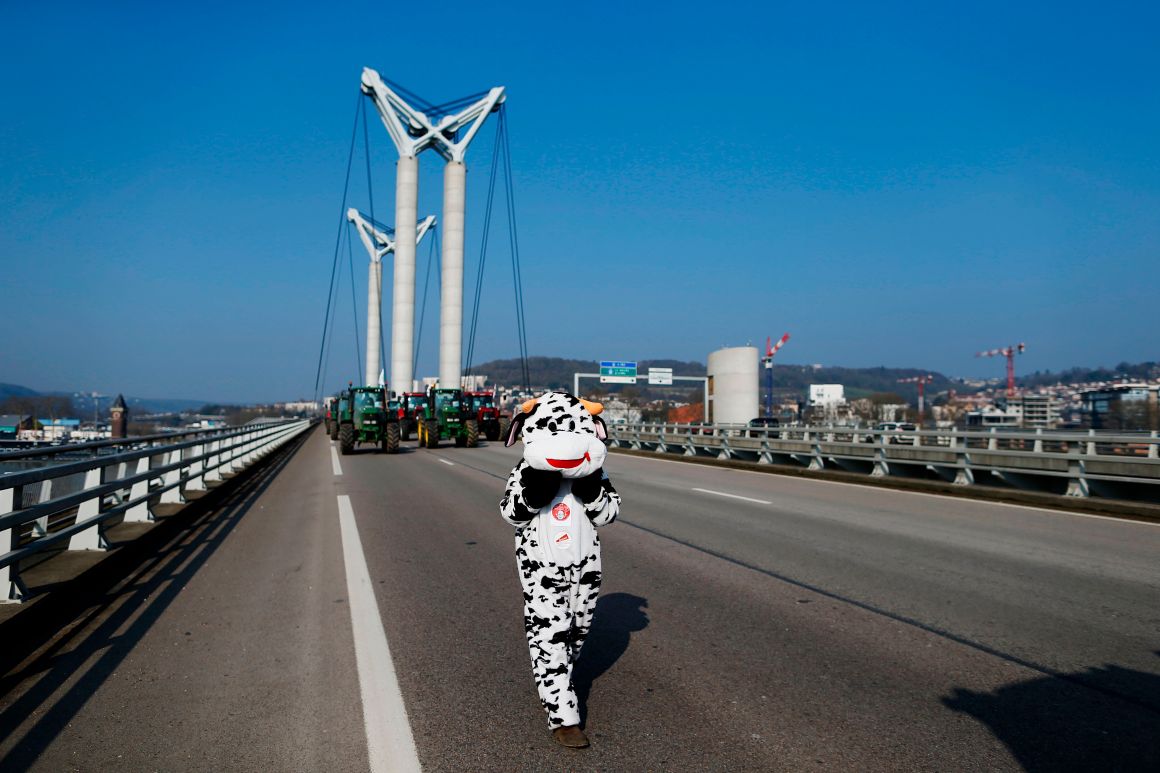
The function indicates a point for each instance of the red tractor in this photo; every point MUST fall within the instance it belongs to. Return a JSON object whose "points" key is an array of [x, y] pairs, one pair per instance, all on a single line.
{"points": [[481, 406], [412, 410]]}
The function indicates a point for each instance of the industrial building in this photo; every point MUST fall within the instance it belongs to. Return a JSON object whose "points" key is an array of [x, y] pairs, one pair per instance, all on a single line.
{"points": [[733, 395]]}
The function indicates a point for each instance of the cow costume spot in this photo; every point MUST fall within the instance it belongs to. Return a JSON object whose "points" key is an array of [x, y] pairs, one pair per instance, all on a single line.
{"points": [[556, 496]]}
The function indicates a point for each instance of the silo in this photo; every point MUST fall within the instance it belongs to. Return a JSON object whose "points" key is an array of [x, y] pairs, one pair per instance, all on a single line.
{"points": [[733, 385]]}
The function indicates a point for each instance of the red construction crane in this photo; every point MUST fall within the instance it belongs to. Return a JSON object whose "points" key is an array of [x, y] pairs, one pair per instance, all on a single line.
{"points": [[1008, 352], [922, 381], [770, 350]]}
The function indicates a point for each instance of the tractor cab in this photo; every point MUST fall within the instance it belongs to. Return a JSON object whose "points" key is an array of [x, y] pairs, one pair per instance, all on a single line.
{"points": [[448, 418], [363, 418]]}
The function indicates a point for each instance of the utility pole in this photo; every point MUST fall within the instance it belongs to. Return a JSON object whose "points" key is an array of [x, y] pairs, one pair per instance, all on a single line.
{"points": [[379, 243], [412, 132]]}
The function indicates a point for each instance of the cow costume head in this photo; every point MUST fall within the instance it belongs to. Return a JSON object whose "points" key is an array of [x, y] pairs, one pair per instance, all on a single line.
{"points": [[561, 433]]}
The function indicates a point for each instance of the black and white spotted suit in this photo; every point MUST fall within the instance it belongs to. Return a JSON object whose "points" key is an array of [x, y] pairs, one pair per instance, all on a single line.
{"points": [[557, 548]]}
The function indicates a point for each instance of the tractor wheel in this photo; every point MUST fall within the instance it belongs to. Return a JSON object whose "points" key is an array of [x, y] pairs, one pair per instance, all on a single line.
{"points": [[491, 431], [472, 433], [405, 429], [391, 439], [460, 441], [504, 424], [346, 438], [431, 432], [332, 430]]}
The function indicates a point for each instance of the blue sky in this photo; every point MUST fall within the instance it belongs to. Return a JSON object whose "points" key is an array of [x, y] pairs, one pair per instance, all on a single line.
{"points": [[897, 185]]}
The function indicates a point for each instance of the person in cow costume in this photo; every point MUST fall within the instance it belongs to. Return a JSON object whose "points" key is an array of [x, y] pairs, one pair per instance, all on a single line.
{"points": [[556, 496]]}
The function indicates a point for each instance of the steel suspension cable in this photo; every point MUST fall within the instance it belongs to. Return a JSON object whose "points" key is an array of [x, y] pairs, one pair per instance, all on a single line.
{"points": [[513, 237], [431, 258], [354, 306], [483, 253], [332, 293], [371, 198], [329, 340]]}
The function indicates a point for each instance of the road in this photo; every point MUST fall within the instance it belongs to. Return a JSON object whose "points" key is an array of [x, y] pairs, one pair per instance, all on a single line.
{"points": [[748, 622]]}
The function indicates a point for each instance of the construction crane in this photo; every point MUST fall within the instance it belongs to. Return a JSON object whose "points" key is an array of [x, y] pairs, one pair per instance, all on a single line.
{"points": [[1009, 352], [767, 360], [922, 381]]}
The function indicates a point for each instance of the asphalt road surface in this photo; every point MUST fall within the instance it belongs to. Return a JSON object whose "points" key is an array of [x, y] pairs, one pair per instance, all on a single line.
{"points": [[747, 622]]}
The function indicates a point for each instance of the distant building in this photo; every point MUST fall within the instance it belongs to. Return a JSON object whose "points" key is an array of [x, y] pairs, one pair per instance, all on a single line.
{"points": [[302, 406], [992, 416], [120, 418], [1122, 406], [11, 425], [824, 395], [1040, 411], [57, 429]]}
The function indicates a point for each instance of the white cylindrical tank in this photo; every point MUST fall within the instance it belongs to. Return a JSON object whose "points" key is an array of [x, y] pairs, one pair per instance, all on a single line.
{"points": [[733, 385]]}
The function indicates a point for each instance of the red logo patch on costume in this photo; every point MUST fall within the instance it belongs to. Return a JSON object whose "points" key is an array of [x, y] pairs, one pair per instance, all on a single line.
{"points": [[561, 512], [563, 539]]}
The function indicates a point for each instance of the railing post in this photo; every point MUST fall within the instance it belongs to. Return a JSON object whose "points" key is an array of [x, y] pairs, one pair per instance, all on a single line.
{"points": [[40, 528], [10, 502], [1153, 451], [172, 494], [91, 538], [1077, 485], [993, 441], [213, 465], [1091, 444], [965, 476], [196, 481], [140, 512], [1038, 447]]}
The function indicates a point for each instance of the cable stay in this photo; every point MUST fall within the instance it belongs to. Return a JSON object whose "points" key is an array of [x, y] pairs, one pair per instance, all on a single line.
{"points": [[332, 294], [502, 150], [432, 258]]}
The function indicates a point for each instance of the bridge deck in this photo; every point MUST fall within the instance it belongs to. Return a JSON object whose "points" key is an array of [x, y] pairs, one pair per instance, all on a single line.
{"points": [[810, 624]]}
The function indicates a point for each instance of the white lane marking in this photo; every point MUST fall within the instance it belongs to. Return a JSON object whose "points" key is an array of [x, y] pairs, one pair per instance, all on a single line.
{"points": [[733, 496], [334, 460], [390, 745], [884, 489], [452, 464]]}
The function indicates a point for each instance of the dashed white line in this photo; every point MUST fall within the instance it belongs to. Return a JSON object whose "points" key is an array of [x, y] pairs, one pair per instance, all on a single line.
{"points": [[733, 496], [334, 460], [450, 464], [390, 745]]}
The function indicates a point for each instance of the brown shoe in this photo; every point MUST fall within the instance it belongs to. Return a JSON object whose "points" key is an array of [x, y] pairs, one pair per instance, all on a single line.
{"points": [[571, 736]]}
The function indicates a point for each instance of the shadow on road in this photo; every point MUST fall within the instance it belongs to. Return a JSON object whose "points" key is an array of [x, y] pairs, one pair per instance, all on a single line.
{"points": [[1074, 721], [617, 616], [92, 649]]}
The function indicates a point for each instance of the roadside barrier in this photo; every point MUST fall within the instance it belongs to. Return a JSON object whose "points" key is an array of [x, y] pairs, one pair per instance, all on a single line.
{"points": [[1074, 463], [65, 498]]}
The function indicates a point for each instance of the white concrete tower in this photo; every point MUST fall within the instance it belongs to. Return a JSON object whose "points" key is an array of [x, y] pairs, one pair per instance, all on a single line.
{"points": [[453, 148], [412, 132], [379, 244]]}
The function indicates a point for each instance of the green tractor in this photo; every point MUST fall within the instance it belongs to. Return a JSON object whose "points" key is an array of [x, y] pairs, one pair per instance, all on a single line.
{"points": [[448, 417], [362, 417]]}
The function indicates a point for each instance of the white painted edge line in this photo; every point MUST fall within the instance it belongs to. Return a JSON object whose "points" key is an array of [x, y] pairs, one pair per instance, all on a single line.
{"points": [[451, 464], [733, 496], [390, 745], [1048, 510], [334, 464]]}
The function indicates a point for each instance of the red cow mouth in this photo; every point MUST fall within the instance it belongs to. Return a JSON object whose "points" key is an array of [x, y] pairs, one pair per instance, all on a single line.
{"points": [[567, 464]]}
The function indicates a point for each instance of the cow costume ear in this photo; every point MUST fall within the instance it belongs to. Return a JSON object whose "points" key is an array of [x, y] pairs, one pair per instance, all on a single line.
{"points": [[517, 424], [601, 428]]}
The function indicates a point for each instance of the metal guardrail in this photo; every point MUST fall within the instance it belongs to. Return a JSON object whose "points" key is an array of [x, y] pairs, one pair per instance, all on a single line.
{"points": [[1075, 463], [75, 493]]}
